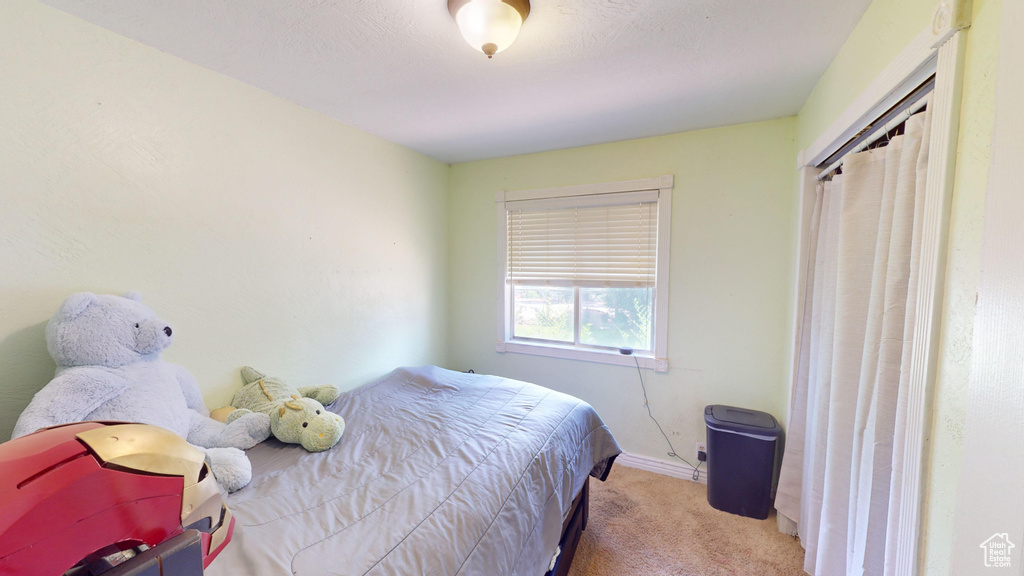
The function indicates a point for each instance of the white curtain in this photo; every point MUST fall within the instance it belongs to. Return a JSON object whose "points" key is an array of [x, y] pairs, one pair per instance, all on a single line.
{"points": [[842, 468]]}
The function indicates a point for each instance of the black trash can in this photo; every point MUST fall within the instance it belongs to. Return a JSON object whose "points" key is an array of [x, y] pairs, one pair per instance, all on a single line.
{"points": [[741, 459]]}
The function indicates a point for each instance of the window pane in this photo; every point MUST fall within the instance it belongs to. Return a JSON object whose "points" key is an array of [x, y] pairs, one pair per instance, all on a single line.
{"points": [[616, 317], [544, 313]]}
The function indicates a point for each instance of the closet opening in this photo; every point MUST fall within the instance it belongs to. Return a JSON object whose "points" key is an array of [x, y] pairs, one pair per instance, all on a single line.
{"points": [[878, 133]]}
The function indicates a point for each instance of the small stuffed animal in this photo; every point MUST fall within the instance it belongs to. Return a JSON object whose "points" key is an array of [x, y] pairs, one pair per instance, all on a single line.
{"points": [[107, 350], [297, 415]]}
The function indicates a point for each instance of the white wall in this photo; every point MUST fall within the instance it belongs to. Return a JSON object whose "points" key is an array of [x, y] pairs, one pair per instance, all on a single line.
{"points": [[732, 258], [264, 233]]}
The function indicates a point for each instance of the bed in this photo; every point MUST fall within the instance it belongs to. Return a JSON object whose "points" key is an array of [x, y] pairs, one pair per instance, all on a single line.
{"points": [[438, 473]]}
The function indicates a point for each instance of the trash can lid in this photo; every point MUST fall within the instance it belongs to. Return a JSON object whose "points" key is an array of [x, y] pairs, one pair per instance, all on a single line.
{"points": [[741, 420]]}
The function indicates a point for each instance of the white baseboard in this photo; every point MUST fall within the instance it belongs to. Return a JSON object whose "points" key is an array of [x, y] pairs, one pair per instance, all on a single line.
{"points": [[667, 468], [787, 525]]}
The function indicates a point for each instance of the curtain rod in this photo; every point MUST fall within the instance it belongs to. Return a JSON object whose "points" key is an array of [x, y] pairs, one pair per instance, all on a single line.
{"points": [[897, 115]]}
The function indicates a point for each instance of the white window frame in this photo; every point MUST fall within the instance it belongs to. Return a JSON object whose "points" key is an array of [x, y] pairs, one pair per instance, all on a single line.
{"points": [[658, 360]]}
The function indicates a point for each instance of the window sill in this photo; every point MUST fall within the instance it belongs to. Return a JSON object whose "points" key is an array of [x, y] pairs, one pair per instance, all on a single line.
{"points": [[570, 353]]}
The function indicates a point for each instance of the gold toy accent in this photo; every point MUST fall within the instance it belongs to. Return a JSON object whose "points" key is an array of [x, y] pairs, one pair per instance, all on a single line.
{"points": [[146, 449]]}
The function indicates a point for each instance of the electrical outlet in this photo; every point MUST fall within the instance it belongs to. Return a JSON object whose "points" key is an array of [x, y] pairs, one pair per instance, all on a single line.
{"points": [[701, 448]]}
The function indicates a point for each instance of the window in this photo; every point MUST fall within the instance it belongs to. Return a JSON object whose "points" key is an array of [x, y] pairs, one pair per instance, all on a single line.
{"points": [[583, 271]]}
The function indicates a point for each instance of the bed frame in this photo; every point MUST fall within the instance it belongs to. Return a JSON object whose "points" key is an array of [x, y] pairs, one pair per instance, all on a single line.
{"points": [[574, 525]]}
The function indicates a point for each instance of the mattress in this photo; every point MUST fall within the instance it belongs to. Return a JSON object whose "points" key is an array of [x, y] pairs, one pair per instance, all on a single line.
{"points": [[438, 473]]}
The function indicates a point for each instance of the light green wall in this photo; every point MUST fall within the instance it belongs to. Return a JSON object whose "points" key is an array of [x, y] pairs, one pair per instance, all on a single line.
{"points": [[731, 270], [265, 233], [885, 29]]}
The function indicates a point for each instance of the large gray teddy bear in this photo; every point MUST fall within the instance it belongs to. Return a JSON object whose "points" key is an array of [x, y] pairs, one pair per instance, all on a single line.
{"points": [[107, 350]]}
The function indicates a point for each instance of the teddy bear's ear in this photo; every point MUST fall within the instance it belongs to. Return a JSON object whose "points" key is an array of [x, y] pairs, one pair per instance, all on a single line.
{"points": [[133, 295], [76, 304], [250, 374]]}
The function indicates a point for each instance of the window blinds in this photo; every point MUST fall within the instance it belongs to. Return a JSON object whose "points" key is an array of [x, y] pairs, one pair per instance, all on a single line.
{"points": [[593, 240]]}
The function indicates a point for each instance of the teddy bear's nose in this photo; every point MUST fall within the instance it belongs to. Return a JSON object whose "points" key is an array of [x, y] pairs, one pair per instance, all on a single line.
{"points": [[167, 330]]}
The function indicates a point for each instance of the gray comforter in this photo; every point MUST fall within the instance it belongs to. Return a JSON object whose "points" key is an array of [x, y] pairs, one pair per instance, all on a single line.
{"points": [[438, 473]]}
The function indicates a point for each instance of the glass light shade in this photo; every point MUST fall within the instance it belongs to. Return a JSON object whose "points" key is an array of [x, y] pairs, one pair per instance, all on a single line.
{"points": [[489, 25]]}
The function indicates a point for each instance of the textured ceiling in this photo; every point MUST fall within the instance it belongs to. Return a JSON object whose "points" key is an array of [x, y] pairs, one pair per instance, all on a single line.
{"points": [[581, 72]]}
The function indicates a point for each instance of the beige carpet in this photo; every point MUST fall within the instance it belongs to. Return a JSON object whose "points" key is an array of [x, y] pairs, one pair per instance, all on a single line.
{"points": [[649, 524]]}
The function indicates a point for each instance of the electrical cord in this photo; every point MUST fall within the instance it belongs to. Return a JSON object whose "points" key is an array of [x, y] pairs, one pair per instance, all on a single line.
{"points": [[672, 451]]}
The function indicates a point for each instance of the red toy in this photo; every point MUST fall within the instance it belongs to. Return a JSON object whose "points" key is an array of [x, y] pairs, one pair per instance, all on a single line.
{"points": [[69, 493]]}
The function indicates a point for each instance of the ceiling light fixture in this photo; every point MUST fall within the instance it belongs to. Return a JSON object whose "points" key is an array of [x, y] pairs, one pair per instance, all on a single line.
{"points": [[489, 26]]}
